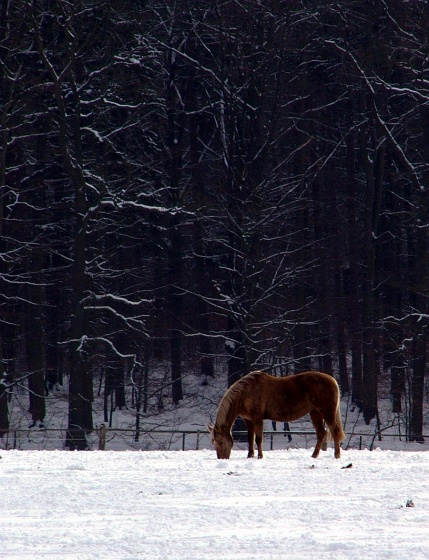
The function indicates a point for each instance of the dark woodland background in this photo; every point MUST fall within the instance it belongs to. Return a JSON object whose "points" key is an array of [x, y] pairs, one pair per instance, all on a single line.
{"points": [[202, 180]]}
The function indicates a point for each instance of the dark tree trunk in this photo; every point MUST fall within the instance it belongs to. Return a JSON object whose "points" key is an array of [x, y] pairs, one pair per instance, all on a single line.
{"points": [[420, 291], [351, 277], [372, 153], [417, 389], [419, 300], [4, 408], [35, 341], [175, 302], [69, 136], [202, 263], [36, 366], [397, 386], [80, 385]]}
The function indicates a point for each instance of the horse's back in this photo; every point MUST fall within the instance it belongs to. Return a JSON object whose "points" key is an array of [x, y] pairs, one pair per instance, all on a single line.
{"points": [[314, 379], [288, 398]]}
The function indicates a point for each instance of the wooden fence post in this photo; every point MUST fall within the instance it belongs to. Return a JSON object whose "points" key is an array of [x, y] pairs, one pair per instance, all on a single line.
{"points": [[102, 437]]}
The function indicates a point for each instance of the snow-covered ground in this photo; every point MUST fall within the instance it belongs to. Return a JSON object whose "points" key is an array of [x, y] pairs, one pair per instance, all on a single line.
{"points": [[127, 505]]}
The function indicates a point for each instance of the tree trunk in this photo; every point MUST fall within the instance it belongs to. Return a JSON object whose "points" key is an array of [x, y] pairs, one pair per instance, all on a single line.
{"points": [[202, 264], [175, 302], [417, 388], [397, 386], [351, 277], [35, 365], [420, 290], [372, 152], [4, 408], [80, 385], [341, 339], [419, 300]]}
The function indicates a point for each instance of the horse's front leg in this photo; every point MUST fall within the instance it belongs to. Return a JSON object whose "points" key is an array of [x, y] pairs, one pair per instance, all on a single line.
{"points": [[259, 433], [250, 438]]}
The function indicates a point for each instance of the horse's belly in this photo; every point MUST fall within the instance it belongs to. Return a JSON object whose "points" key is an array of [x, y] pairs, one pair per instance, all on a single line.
{"points": [[288, 414]]}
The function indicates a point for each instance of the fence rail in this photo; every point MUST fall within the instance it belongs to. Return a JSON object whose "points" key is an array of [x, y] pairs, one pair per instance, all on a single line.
{"points": [[103, 436]]}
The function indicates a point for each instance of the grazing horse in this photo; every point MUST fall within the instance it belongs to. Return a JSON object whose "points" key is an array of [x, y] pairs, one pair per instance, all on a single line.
{"points": [[258, 395]]}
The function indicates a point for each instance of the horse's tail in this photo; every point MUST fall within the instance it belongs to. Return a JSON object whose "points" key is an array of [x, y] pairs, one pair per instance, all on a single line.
{"points": [[338, 428]]}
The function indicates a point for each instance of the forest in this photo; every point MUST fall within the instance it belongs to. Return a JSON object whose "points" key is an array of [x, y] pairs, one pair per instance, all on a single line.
{"points": [[195, 182]]}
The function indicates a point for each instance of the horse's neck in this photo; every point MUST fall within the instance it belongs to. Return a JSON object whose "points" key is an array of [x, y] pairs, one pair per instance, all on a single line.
{"points": [[226, 415]]}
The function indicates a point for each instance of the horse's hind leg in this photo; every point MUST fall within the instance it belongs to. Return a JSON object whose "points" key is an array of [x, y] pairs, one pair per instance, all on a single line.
{"points": [[251, 438], [333, 421], [334, 431], [337, 453], [319, 426]]}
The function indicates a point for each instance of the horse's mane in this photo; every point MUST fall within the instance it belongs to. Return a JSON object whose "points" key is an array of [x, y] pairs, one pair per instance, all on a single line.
{"points": [[232, 393]]}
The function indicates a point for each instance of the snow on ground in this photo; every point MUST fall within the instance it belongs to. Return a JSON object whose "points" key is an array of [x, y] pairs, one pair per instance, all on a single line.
{"points": [[158, 505]]}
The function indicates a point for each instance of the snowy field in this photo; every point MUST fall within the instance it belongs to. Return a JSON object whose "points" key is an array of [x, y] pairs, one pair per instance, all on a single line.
{"points": [[188, 505]]}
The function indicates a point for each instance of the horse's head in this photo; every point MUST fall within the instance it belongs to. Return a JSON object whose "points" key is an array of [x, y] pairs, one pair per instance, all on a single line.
{"points": [[222, 442]]}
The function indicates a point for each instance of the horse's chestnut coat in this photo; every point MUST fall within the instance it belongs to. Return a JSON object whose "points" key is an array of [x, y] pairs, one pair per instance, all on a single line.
{"points": [[259, 396]]}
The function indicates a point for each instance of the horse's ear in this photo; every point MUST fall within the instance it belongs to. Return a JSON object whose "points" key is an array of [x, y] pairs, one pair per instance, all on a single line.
{"points": [[210, 427]]}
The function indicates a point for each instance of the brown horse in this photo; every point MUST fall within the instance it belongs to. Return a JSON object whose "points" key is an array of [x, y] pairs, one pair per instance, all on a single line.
{"points": [[258, 395]]}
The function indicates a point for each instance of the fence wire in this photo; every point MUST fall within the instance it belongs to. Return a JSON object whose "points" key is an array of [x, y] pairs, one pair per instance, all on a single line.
{"points": [[116, 439]]}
